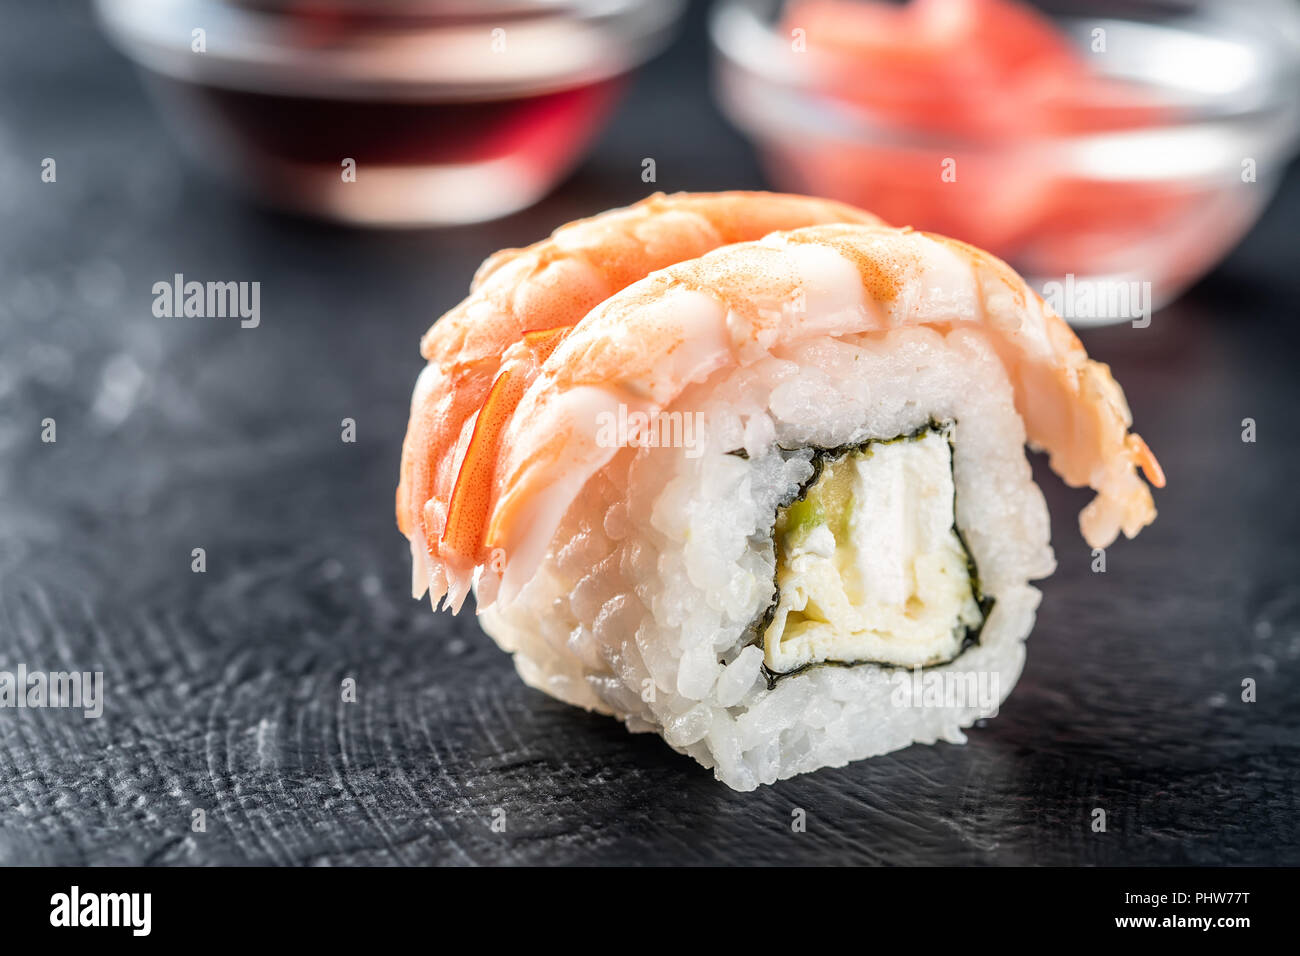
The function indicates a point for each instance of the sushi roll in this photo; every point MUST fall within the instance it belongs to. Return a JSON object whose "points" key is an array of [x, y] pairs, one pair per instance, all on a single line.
{"points": [[749, 472]]}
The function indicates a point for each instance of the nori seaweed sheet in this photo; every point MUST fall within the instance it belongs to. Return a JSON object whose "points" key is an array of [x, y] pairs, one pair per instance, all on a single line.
{"points": [[818, 461]]}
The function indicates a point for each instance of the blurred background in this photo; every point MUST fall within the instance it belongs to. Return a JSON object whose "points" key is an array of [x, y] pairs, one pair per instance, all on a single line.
{"points": [[1108, 140], [128, 156]]}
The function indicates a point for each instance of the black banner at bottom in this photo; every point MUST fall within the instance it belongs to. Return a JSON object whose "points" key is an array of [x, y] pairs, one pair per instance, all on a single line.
{"points": [[330, 906]]}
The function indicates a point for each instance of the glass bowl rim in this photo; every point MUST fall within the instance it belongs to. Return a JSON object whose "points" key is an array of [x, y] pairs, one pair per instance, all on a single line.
{"points": [[386, 57], [745, 44]]}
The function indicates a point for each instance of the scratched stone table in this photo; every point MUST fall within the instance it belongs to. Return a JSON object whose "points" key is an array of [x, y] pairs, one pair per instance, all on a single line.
{"points": [[222, 689]]}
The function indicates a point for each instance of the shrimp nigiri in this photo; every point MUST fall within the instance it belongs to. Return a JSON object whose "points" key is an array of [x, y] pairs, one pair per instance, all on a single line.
{"points": [[779, 454]]}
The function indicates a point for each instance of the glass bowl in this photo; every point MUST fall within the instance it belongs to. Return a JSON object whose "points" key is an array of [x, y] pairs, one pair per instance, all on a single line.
{"points": [[1157, 199], [389, 112]]}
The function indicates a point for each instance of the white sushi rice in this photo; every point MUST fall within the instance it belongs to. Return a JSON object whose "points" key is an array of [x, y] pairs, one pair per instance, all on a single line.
{"points": [[644, 604]]}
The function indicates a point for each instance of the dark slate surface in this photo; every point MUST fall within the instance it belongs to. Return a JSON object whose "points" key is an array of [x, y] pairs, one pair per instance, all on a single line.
{"points": [[223, 688]]}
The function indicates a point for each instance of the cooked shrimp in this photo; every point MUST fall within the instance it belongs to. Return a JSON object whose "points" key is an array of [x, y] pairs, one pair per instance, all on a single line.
{"points": [[643, 346], [484, 354]]}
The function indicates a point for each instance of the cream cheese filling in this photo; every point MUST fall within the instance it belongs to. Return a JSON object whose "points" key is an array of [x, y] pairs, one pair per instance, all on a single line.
{"points": [[869, 563]]}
